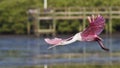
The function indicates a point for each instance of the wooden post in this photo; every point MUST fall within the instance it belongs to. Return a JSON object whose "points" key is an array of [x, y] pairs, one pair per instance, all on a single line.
{"points": [[28, 28], [110, 33], [84, 17], [84, 48], [54, 24], [36, 22], [110, 21]]}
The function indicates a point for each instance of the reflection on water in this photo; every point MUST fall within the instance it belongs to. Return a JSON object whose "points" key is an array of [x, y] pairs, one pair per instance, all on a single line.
{"points": [[23, 50]]}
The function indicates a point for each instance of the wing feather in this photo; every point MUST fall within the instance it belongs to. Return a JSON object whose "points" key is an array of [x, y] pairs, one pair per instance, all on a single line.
{"points": [[95, 27]]}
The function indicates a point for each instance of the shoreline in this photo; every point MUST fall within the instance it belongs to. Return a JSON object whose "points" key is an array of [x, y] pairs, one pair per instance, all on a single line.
{"points": [[58, 35]]}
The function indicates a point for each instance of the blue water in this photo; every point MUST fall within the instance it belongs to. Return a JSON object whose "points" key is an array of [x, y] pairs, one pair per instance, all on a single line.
{"points": [[24, 50]]}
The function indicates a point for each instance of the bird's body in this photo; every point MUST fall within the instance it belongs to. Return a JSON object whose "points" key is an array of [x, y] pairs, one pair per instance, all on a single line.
{"points": [[96, 26]]}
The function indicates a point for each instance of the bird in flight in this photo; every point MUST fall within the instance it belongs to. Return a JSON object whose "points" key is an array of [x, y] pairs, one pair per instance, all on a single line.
{"points": [[96, 26]]}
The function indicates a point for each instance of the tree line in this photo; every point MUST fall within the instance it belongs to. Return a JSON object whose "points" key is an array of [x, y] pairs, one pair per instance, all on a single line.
{"points": [[13, 16]]}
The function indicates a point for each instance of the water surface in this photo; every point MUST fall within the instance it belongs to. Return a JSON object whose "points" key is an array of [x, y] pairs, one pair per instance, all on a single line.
{"points": [[27, 50]]}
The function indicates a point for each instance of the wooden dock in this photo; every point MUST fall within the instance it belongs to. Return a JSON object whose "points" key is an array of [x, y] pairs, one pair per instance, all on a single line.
{"points": [[70, 13]]}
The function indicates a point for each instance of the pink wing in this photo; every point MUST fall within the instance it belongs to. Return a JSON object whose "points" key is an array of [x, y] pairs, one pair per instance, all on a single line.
{"points": [[95, 27], [53, 41]]}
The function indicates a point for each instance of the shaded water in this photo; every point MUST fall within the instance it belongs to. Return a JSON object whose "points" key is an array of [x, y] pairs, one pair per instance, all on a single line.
{"points": [[23, 50]]}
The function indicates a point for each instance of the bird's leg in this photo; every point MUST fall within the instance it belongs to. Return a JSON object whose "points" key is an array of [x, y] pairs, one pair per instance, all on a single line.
{"points": [[101, 44]]}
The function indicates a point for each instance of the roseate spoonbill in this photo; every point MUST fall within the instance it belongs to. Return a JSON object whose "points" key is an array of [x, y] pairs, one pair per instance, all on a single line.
{"points": [[96, 26]]}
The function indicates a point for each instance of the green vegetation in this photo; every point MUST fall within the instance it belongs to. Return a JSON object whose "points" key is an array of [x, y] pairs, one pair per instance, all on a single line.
{"points": [[13, 13], [67, 26]]}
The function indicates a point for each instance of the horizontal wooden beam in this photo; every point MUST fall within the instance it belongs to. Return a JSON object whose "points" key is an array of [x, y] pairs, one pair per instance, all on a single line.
{"points": [[46, 30]]}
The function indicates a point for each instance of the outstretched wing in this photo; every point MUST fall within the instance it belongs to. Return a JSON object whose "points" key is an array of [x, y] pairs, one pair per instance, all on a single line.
{"points": [[95, 27]]}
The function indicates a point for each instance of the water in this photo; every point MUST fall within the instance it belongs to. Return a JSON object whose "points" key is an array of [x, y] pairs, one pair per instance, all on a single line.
{"points": [[25, 51]]}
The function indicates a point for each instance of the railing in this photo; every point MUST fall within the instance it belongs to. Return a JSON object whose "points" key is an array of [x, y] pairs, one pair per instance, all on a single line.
{"points": [[73, 13]]}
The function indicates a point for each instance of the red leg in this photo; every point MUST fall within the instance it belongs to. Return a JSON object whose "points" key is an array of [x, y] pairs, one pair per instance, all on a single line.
{"points": [[101, 44]]}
